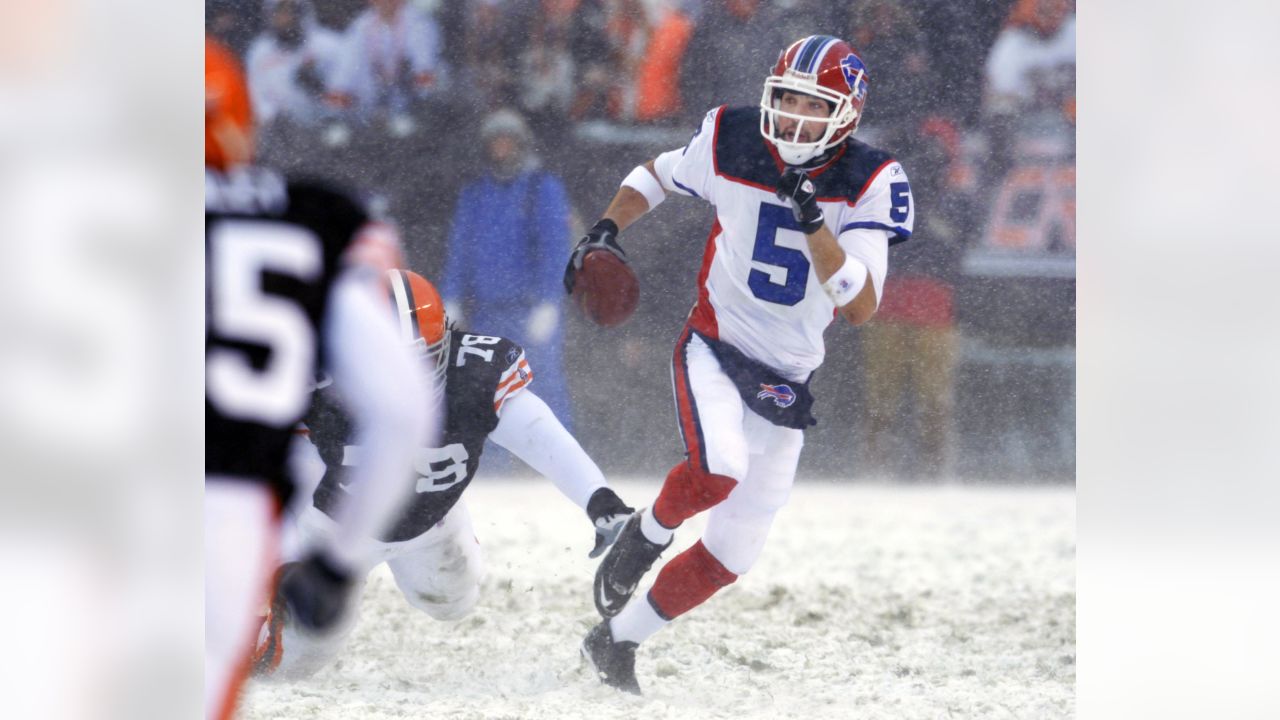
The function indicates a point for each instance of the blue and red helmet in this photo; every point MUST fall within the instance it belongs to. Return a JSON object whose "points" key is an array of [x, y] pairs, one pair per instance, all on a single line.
{"points": [[820, 66]]}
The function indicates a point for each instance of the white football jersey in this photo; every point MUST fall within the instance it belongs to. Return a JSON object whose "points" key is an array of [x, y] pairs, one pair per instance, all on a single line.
{"points": [[757, 289]]}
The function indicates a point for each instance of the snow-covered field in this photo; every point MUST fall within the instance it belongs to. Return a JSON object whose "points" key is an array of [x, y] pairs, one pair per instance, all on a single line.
{"points": [[869, 602]]}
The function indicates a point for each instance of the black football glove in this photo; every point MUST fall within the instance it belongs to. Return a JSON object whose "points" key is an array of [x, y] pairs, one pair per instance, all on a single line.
{"points": [[796, 189], [608, 513], [602, 236], [317, 592]]}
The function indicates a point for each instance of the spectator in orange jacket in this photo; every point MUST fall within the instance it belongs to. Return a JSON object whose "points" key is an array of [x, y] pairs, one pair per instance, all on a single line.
{"points": [[657, 89]]}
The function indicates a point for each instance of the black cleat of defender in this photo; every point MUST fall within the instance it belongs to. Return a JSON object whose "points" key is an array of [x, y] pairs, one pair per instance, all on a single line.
{"points": [[614, 662], [620, 571]]}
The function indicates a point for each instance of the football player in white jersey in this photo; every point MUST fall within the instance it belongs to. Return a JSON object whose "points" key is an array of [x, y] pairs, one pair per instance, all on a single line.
{"points": [[805, 215]]}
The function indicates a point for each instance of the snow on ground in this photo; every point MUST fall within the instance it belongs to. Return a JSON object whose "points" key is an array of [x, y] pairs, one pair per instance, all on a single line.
{"points": [[869, 602]]}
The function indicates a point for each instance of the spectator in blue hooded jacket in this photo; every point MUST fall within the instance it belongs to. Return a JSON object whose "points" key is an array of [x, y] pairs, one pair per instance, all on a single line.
{"points": [[505, 266]]}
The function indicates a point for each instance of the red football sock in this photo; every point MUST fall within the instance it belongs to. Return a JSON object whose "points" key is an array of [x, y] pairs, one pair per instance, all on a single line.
{"points": [[687, 492], [687, 581]]}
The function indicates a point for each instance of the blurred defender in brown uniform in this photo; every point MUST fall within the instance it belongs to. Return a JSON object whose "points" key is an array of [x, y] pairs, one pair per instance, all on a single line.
{"points": [[293, 284]]}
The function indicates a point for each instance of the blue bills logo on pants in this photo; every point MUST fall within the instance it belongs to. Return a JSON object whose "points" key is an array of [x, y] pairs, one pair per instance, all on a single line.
{"points": [[781, 401], [782, 395]]}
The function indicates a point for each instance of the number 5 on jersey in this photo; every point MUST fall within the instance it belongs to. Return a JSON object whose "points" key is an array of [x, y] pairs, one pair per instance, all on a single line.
{"points": [[241, 311], [767, 252]]}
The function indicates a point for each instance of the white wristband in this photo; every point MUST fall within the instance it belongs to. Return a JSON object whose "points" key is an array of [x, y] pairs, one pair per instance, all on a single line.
{"points": [[845, 284], [643, 182]]}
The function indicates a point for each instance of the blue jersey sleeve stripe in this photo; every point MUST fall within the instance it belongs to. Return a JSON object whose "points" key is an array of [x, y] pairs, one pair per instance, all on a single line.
{"points": [[684, 188], [896, 230]]}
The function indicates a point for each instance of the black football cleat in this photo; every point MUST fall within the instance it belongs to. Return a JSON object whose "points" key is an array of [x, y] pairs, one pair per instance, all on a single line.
{"points": [[621, 570], [614, 662]]}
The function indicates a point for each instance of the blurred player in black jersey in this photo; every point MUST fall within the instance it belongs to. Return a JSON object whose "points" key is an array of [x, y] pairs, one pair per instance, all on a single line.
{"points": [[293, 284], [431, 550]]}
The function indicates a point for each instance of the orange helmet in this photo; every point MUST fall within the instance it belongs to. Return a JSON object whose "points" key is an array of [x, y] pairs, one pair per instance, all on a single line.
{"points": [[423, 322], [228, 120]]}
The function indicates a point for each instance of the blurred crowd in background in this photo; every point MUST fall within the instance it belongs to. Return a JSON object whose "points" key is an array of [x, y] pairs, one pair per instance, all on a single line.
{"points": [[532, 111]]}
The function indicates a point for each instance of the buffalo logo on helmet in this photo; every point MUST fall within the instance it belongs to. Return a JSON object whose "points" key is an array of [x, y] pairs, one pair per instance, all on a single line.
{"points": [[855, 74], [782, 395], [820, 66]]}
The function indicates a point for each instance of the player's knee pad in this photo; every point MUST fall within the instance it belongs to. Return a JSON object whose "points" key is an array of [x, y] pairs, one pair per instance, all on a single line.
{"points": [[687, 581], [764, 498], [443, 582], [688, 491], [448, 596], [768, 485], [736, 535], [732, 464], [445, 607]]}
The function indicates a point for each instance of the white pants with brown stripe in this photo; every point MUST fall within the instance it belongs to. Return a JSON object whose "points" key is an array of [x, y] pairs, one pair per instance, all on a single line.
{"points": [[439, 572], [241, 527]]}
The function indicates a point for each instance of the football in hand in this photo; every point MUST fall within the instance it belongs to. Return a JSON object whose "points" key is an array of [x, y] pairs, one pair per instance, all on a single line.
{"points": [[606, 289]]}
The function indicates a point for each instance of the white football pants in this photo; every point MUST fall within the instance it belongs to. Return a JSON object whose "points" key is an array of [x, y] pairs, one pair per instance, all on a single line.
{"points": [[240, 544], [734, 441], [439, 572]]}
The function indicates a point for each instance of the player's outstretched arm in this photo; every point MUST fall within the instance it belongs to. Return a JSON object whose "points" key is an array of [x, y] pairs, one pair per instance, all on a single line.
{"points": [[639, 193], [528, 428]]}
